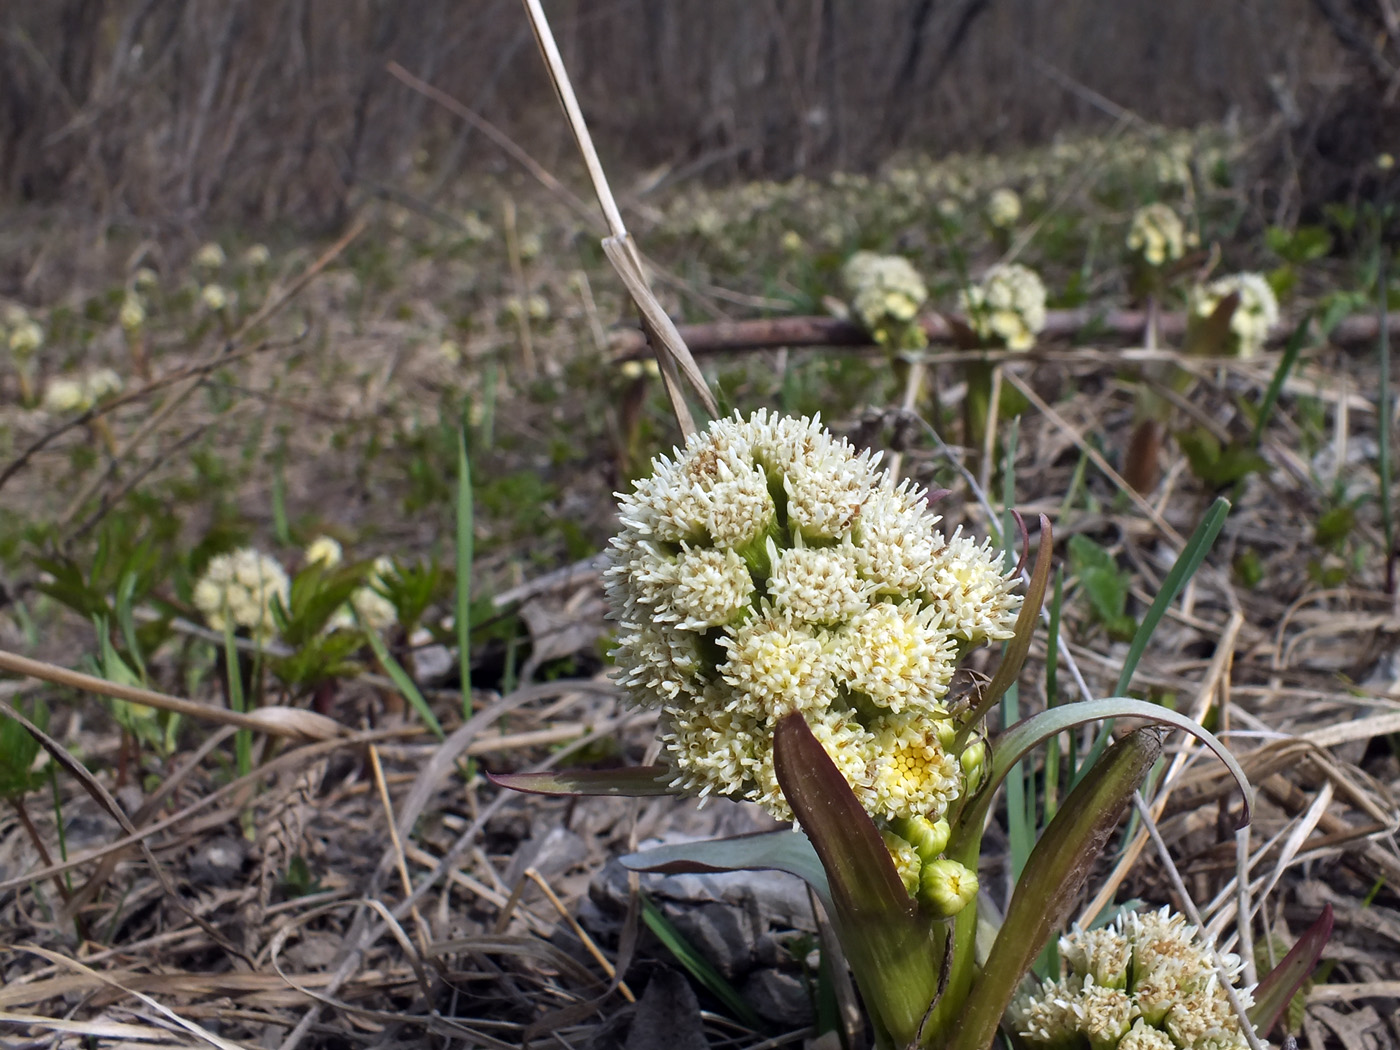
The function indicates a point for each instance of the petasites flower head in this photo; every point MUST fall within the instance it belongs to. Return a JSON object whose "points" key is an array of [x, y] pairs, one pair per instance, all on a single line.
{"points": [[1007, 308], [1157, 235], [1143, 983], [1003, 208], [26, 337], [1255, 315], [886, 293], [238, 590], [769, 567]]}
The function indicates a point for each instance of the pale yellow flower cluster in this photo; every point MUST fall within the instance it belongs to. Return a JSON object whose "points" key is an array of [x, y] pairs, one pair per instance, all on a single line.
{"points": [[1144, 983], [1157, 235], [1253, 318], [64, 395], [367, 604], [768, 568], [26, 335], [210, 257], [132, 315], [886, 293], [1003, 208], [238, 589], [1007, 308]]}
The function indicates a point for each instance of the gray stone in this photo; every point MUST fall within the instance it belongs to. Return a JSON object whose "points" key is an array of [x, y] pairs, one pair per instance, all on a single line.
{"points": [[550, 854], [668, 1016], [723, 934], [779, 996]]}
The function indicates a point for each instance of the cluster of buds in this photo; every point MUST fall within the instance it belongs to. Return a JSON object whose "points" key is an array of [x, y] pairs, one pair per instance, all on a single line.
{"points": [[210, 257], [1144, 983], [367, 604], [65, 395], [238, 591], [132, 315], [1003, 209], [770, 568], [25, 335], [1255, 313], [886, 294], [1157, 236], [1007, 308]]}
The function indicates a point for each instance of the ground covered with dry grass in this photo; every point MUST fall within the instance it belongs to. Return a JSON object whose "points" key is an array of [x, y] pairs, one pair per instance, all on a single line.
{"points": [[354, 879]]}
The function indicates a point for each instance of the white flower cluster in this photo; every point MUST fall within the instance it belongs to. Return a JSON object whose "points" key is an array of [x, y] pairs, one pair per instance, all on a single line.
{"points": [[1007, 308], [367, 604], [132, 315], [886, 293], [210, 257], [1144, 983], [1255, 315], [1157, 235], [62, 396], [216, 298], [26, 335], [237, 590], [1003, 208], [770, 568]]}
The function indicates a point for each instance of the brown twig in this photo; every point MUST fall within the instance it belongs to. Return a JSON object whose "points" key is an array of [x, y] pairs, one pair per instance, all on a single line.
{"points": [[772, 332]]}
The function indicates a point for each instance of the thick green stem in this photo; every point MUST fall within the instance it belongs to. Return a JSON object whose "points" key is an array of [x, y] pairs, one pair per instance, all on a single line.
{"points": [[977, 405], [945, 1016]]}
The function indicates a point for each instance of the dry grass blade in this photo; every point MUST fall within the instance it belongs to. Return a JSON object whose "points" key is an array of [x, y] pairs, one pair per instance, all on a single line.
{"points": [[673, 357], [291, 722], [199, 1032]]}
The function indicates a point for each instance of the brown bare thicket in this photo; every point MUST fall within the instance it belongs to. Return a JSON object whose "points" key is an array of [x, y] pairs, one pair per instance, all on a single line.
{"points": [[185, 109]]}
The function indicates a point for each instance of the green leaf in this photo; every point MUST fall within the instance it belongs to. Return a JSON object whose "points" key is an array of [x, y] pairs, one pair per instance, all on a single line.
{"points": [[1014, 656], [1217, 465], [18, 749], [406, 686], [1053, 877], [767, 851], [1021, 739], [1287, 360], [1281, 983], [632, 781], [1104, 584], [1185, 566], [891, 946], [465, 536], [1334, 526]]}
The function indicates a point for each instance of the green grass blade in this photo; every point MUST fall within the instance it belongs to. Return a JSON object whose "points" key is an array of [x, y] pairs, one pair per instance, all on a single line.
{"points": [[404, 684], [464, 570], [243, 739], [1052, 696], [281, 528], [698, 966], [1291, 350], [1197, 547], [1384, 416]]}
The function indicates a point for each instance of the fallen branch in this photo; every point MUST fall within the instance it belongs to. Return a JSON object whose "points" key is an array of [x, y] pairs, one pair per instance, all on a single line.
{"points": [[769, 333]]}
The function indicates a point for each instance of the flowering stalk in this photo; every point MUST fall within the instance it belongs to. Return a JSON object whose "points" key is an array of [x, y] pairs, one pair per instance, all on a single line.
{"points": [[797, 617], [1006, 309]]}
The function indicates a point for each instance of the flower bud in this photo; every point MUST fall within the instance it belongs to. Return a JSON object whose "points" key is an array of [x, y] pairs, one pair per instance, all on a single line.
{"points": [[928, 837], [947, 887], [973, 758]]}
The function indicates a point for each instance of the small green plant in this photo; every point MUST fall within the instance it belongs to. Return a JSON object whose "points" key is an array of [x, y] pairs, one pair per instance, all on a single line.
{"points": [[1105, 584]]}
